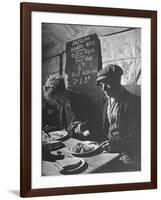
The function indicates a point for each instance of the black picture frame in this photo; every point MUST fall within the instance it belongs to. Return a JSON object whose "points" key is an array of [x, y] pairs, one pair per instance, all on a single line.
{"points": [[26, 84]]}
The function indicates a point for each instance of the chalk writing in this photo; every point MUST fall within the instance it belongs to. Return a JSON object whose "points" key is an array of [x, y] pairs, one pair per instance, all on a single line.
{"points": [[76, 48], [91, 43], [82, 61], [80, 41]]}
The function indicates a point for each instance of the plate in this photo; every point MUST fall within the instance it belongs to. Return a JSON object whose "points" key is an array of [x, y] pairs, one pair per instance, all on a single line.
{"points": [[95, 149], [55, 145], [75, 170], [58, 135]]}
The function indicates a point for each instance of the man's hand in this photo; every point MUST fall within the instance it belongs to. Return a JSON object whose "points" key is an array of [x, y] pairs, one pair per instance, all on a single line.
{"points": [[80, 128]]}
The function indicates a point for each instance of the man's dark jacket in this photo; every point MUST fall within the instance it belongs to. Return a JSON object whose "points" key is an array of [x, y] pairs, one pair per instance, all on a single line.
{"points": [[123, 129]]}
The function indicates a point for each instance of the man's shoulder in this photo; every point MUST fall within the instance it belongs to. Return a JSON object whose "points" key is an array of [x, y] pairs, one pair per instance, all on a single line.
{"points": [[130, 98], [129, 94]]}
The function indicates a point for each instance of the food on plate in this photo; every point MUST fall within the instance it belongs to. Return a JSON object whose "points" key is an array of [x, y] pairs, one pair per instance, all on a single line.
{"points": [[85, 147], [57, 135], [78, 147]]}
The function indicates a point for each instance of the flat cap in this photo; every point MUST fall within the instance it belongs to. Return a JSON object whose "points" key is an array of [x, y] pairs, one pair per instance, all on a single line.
{"points": [[110, 72]]}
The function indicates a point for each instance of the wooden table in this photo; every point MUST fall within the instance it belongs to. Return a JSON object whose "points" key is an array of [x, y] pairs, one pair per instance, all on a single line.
{"points": [[96, 164]]}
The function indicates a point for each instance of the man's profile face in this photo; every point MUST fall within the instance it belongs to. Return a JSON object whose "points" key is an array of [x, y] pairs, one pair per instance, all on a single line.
{"points": [[107, 88]]}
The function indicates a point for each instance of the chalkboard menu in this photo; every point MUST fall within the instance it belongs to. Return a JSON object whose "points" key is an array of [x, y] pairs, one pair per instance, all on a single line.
{"points": [[83, 60]]}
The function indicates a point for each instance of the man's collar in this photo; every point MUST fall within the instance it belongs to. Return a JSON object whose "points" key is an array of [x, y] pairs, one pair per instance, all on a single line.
{"points": [[117, 96]]}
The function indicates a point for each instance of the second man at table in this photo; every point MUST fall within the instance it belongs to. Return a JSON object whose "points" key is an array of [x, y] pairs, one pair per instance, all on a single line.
{"points": [[70, 107]]}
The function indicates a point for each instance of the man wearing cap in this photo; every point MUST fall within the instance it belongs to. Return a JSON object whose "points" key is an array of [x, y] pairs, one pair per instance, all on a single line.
{"points": [[121, 115]]}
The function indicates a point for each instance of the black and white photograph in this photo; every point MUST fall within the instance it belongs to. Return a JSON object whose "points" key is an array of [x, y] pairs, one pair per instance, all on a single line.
{"points": [[88, 99], [91, 99]]}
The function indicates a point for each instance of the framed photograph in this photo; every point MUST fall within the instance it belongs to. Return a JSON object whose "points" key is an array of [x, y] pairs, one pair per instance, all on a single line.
{"points": [[88, 99]]}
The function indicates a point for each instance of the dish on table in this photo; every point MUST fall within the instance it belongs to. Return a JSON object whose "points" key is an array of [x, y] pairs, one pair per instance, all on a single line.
{"points": [[58, 135], [83, 149], [70, 165], [55, 145]]}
